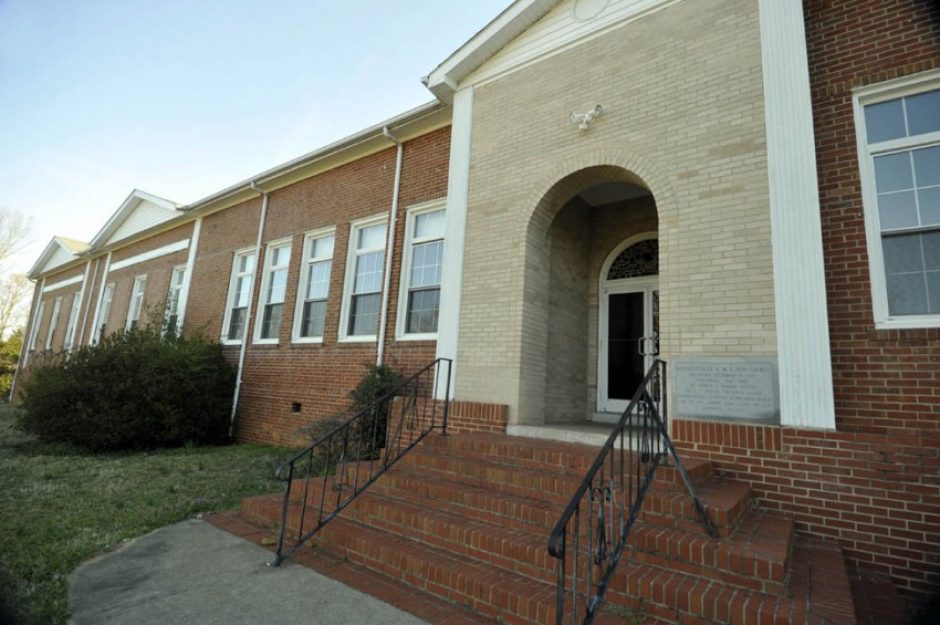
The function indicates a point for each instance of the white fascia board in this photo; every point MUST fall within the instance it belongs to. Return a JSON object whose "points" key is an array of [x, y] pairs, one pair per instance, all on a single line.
{"points": [[151, 254], [508, 25]]}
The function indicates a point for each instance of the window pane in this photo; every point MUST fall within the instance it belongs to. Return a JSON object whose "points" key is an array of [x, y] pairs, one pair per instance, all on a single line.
{"points": [[242, 289], [907, 294], [897, 210], [278, 287], [322, 248], [884, 121], [271, 324], [927, 166], [429, 225], [423, 311], [372, 237], [893, 172], [902, 253], [236, 325], [933, 288], [318, 280], [369, 273], [313, 319], [426, 264], [246, 263], [364, 317], [931, 244], [929, 200], [923, 112], [281, 256]]}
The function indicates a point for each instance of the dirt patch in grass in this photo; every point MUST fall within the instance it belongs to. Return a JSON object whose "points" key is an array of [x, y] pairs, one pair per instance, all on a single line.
{"points": [[60, 506]]}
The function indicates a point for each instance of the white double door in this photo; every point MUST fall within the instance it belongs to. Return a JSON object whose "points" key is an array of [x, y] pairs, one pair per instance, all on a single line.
{"points": [[628, 341]]}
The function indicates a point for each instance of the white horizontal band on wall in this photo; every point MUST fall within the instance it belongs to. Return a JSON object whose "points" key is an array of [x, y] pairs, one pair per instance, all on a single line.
{"points": [[62, 284], [157, 253]]}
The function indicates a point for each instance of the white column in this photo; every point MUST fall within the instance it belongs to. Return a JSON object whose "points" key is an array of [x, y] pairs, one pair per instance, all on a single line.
{"points": [[458, 195], [805, 365], [188, 278]]}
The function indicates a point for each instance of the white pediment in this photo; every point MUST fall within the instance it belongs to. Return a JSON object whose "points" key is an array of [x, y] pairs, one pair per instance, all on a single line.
{"points": [[137, 213], [530, 30], [570, 22], [60, 251], [144, 215]]}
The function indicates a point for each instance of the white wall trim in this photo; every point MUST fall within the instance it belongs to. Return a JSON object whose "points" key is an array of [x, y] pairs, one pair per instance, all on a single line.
{"points": [[150, 255], [104, 282], [458, 199], [803, 351], [188, 278], [79, 337], [55, 286]]}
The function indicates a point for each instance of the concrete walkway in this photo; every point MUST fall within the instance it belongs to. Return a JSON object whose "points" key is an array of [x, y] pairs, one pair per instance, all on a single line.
{"points": [[197, 574]]}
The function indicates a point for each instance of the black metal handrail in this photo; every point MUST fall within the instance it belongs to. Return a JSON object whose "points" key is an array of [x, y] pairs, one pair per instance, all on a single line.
{"points": [[612, 492], [342, 463]]}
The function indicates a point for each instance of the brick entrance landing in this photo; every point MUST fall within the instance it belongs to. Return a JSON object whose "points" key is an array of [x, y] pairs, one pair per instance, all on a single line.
{"points": [[459, 529]]}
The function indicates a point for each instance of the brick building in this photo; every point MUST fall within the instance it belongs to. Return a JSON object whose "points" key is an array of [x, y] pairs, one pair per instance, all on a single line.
{"points": [[747, 189]]}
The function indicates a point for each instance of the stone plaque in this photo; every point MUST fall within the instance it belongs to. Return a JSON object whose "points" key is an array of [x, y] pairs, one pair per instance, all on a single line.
{"points": [[739, 389]]}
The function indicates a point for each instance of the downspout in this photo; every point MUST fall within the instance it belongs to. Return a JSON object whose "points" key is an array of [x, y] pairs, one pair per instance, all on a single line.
{"points": [[86, 303], [27, 336], [390, 244], [248, 312]]}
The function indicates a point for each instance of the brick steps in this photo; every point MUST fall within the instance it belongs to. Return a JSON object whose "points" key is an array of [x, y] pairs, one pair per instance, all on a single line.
{"points": [[754, 558], [458, 519]]}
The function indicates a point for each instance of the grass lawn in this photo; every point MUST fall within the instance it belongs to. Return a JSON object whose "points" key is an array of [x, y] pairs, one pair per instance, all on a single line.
{"points": [[60, 506]]}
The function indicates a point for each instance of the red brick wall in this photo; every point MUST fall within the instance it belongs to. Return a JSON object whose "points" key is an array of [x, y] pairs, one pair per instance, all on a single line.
{"points": [[878, 496], [158, 271], [318, 376], [885, 381]]}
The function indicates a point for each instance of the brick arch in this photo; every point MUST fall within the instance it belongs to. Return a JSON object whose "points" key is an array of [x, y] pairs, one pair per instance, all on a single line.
{"points": [[546, 199]]}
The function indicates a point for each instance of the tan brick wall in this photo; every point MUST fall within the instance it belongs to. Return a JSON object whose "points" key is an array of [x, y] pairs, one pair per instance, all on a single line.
{"points": [[66, 293], [683, 98]]}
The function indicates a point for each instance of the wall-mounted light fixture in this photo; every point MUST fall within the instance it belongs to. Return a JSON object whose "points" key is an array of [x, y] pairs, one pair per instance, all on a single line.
{"points": [[583, 120]]}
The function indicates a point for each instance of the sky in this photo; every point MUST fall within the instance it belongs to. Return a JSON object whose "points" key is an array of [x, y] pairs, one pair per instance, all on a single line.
{"points": [[182, 98]]}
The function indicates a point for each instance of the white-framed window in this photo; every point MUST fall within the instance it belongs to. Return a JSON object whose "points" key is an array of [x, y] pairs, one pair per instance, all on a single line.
{"points": [[136, 304], [273, 291], [420, 292], [239, 293], [34, 334], [898, 133], [53, 321], [172, 316], [362, 291], [73, 321], [314, 286], [101, 323]]}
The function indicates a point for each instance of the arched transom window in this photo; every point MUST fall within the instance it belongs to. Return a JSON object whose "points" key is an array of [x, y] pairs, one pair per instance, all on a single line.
{"points": [[638, 260]]}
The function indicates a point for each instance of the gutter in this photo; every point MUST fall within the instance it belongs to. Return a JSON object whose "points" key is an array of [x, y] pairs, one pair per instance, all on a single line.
{"points": [[250, 305], [389, 245]]}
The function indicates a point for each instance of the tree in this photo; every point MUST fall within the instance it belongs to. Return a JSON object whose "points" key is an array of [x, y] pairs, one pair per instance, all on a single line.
{"points": [[9, 356], [15, 235]]}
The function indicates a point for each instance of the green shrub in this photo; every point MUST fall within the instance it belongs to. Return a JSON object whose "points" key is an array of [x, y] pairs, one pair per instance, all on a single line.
{"points": [[131, 391], [378, 382]]}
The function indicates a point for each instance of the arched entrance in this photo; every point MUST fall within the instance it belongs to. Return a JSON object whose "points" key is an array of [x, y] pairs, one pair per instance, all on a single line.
{"points": [[580, 230], [628, 322]]}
